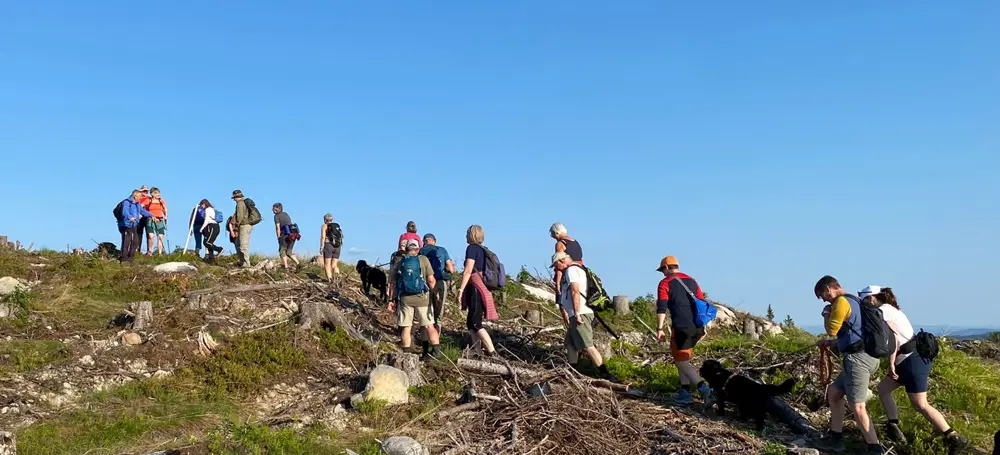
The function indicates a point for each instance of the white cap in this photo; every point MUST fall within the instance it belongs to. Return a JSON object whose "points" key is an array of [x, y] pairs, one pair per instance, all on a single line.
{"points": [[869, 290], [412, 244]]}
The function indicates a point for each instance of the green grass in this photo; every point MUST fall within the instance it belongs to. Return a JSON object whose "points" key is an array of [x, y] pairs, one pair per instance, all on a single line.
{"points": [[19, 356], [244, 366], [14, 264], [140, 412], [245, 439], [340, 342]]}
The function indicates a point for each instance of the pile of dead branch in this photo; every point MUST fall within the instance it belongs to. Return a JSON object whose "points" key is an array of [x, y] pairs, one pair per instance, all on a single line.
{"points": [[980, 348], [539, 412]]}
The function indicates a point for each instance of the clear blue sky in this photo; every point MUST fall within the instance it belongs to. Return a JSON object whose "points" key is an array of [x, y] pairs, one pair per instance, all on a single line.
{"points": [[764, 143]]}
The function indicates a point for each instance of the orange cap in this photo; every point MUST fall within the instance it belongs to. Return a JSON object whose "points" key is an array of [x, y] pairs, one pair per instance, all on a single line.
{"points": [[667, 260]]}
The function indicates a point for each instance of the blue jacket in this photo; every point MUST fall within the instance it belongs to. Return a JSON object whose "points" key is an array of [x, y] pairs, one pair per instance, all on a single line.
{"points": [[850, 332], [132, 209]]}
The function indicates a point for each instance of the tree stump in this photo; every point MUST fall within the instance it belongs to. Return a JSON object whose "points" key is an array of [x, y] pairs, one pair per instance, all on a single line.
{"points": [[622, 304], [313, 315], [750, 328], [534, 317], [143, 314]]}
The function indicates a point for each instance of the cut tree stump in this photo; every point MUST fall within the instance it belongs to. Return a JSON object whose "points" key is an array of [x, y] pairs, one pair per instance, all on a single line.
{"points": [[143, 314], [314, 314], [622, 304], [750, 329]]}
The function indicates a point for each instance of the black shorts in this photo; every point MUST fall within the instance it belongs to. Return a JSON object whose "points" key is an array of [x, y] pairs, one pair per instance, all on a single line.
{"points": [[687, 337]]}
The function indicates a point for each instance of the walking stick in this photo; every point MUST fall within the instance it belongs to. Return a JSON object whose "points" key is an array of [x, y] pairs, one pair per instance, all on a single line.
{"points": [[606, 327]]}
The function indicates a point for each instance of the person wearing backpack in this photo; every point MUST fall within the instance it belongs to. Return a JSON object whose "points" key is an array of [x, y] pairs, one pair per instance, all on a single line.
{"points": [[410, 234], [128, 213], [910, 368], [473, 293], [843, 319], [287, 233], [567, 244], [414, 278], [443, 268], [156, 227], [331, 238], [196, 219], [577, 316], [210, 229], [244, 226], [674, 295]]}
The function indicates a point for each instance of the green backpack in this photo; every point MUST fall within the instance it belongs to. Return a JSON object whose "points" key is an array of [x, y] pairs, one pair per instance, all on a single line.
{"points": [[597, 297], [253, 214]]}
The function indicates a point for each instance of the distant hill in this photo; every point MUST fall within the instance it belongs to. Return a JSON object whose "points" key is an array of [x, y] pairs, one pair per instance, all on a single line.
{"points": [[952, 331]]}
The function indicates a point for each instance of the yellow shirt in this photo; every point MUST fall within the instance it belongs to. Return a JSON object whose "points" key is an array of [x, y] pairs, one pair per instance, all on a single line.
{"points": [[839, 312]]}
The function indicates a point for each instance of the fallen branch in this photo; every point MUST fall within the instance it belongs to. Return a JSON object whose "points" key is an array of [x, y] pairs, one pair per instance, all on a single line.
{"points": [[242, 288], [494, 368], [461, 408]]}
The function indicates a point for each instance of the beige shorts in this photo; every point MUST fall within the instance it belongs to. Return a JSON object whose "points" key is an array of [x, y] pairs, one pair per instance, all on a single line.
{"points": [[406, 313]]}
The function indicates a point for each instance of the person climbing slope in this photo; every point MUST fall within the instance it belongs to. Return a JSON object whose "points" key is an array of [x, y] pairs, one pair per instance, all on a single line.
{"points": [[673, 295], [156, 227], [210, 229], [568, 245], [128, 213]]}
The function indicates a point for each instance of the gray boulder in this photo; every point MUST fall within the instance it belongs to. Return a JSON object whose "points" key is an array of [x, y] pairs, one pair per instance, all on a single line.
{"points": [[9, 284], [403, 445], [175, 267]]}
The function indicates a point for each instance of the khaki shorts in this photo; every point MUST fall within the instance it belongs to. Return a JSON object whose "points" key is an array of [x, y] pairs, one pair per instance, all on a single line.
{"points": [[580, 336], [405, 313], [438, 297], [859, 367]]}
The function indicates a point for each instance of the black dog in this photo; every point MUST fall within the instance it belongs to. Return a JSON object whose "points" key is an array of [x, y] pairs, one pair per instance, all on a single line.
{"points": [[373, 276], [748, 395], [996, 444]]}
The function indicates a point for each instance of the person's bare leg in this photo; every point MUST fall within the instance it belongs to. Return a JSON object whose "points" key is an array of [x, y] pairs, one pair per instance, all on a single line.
{"points": [[295, 259], [150, 243], [159, 244], [432, 334], [487, 341], [405, 337], [328, 268], [336, 266], [595, 356], [885, 389], [476, 340], [919, 401], [837, 410], [864, 422]]}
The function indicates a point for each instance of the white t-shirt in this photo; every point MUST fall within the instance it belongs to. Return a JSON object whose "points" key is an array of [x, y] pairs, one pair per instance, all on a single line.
{"points": [[209, 218], [578, 276], [904, 330]]}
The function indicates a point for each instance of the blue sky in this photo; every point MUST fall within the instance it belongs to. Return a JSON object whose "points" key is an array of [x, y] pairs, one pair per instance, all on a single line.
{"points": [[763, 143]]}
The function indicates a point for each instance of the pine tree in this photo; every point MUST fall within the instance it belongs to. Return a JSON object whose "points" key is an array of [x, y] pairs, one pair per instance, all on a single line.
{"points": [[789, 323], [770, 313]]}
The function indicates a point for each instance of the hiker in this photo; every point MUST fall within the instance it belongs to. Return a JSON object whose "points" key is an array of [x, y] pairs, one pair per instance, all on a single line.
{"points": [[287, 233], [156, 227], [244, 227], [567, 244], [331, 238], [234, 232], [411, 233], [413, 280], [210, 229], [578, 317], [842, 319], [197, 219], [143, 200], [907, 369], [443, 268], [673, 294], [472, 293], [129, 212], [395, 257]]}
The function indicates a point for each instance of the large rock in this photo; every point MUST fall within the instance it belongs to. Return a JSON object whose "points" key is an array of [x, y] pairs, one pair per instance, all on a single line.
{"points": [[403, 445], [175, 267], [9, 284], [539, 293], [389, 384]]}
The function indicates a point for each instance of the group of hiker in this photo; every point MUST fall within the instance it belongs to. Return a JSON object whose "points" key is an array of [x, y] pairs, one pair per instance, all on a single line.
{"points": [[146, 210]]}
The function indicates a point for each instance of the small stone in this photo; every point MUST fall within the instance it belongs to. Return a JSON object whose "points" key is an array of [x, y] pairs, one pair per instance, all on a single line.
{"points": [[132, 339], [338, 409], [357, 399], [160, 374], [87, 360], [802, 451], [403, 445]]}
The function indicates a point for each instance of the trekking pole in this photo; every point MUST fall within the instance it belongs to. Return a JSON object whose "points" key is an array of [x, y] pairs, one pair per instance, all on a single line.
{"points": [[190, 230], [166, 236], [605, 324]]}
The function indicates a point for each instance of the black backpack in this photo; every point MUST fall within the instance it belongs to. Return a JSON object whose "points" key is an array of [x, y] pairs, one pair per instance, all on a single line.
{"points": [[119, 209], [923, 343], [878, 338], [334, 235]]}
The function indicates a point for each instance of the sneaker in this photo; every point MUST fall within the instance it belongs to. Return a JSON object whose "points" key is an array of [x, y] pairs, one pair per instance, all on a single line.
{"points": [[956, 443], [831, 441], [705, 392], [894, 433], [683, 396]]}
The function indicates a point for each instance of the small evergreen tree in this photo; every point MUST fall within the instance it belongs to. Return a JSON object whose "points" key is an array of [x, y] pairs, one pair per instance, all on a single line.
{"points": [[789, 323], [770, 313]]}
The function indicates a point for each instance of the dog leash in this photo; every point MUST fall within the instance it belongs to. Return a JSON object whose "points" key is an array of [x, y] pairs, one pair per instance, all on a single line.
{"points": [[826, 366]]}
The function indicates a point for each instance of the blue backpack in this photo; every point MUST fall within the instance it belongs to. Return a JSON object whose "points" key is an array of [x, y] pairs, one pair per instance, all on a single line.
{"points": [[218, 216], [409, 280], [704, 312]]}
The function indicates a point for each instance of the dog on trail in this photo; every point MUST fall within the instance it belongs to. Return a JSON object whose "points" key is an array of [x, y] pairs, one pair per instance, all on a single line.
{"points": [[749, 396], [996, 443], [373, 276]]}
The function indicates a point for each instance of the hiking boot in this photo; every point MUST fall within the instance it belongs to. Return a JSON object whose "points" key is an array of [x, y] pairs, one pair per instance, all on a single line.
{"points": [[956, 443], [894, 433], [875, 449], [832, 441], [683, 396]]}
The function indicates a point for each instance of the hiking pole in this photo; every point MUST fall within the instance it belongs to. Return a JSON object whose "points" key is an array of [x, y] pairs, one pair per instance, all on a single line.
{"points": [[166, 235], [190, 229], [605, 324]]}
